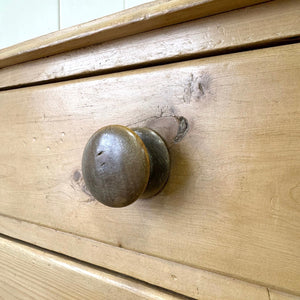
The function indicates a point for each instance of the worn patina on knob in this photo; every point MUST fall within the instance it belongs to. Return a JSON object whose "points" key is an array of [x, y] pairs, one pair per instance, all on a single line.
{"points": [[120, 165]]}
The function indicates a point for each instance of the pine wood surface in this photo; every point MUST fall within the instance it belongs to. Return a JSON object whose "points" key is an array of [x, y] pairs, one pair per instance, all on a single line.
{"points": [[31, 273], [231, 205], [256, 26], [149, 16]]}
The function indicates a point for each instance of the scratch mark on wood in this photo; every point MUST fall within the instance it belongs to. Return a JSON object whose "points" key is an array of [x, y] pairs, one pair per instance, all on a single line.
{"points": [[196, 87], [268, 291]]}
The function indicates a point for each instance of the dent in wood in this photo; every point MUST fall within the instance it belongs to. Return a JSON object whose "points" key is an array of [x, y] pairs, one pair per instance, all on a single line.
{"points": [[170, 127], [183, 127]]}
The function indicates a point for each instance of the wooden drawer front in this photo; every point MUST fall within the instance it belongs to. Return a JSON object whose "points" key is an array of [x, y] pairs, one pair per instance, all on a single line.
{"points": [[232, 201], [31, 273], [268, 23]]}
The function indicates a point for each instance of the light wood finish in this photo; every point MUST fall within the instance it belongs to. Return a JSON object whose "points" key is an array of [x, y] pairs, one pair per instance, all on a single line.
{"points": [[275, 295], [192, 282], [232, 201], [31, 273], [253, 26], [143, 18]]}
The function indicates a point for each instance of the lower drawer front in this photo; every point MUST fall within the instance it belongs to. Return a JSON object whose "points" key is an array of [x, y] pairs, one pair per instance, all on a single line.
{"points": [[32, 273], [232, 201]]}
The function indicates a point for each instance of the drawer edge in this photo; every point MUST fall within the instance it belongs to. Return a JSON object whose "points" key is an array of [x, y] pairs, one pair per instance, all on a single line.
{"points": [[142, 18], [29, 272], [272, 23], [184, 280]]}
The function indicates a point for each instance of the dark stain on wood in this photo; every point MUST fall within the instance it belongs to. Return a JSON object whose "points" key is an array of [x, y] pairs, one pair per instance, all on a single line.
{"points": [[77, 183], [183, 128], [76, 176], [201, 89]]}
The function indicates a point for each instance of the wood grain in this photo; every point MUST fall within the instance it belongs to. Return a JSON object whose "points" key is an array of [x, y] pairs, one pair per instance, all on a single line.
{"points": [[232, 201], [253, 26], [192, 282], [143, 18], [275, 295], [31, 273]]}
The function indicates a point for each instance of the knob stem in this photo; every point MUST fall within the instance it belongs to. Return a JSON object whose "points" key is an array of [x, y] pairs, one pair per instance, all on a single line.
{"points": [[159, 161]]}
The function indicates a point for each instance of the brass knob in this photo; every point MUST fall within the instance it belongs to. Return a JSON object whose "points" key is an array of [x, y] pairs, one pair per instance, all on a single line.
{"points": [[120, 165]]}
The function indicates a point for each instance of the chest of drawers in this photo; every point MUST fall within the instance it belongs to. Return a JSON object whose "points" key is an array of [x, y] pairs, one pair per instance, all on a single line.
{"points": [[220, 82]]}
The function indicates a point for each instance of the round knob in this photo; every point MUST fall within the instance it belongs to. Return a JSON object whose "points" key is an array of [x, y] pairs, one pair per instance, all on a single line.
{"points": [[120, 165]]}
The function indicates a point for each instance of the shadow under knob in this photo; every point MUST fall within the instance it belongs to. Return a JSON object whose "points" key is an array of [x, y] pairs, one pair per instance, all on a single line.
{"points": [[120, 165]]}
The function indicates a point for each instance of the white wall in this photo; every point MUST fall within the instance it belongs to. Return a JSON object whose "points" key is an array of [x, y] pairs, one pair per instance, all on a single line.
{"points": [[21, 20]]}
